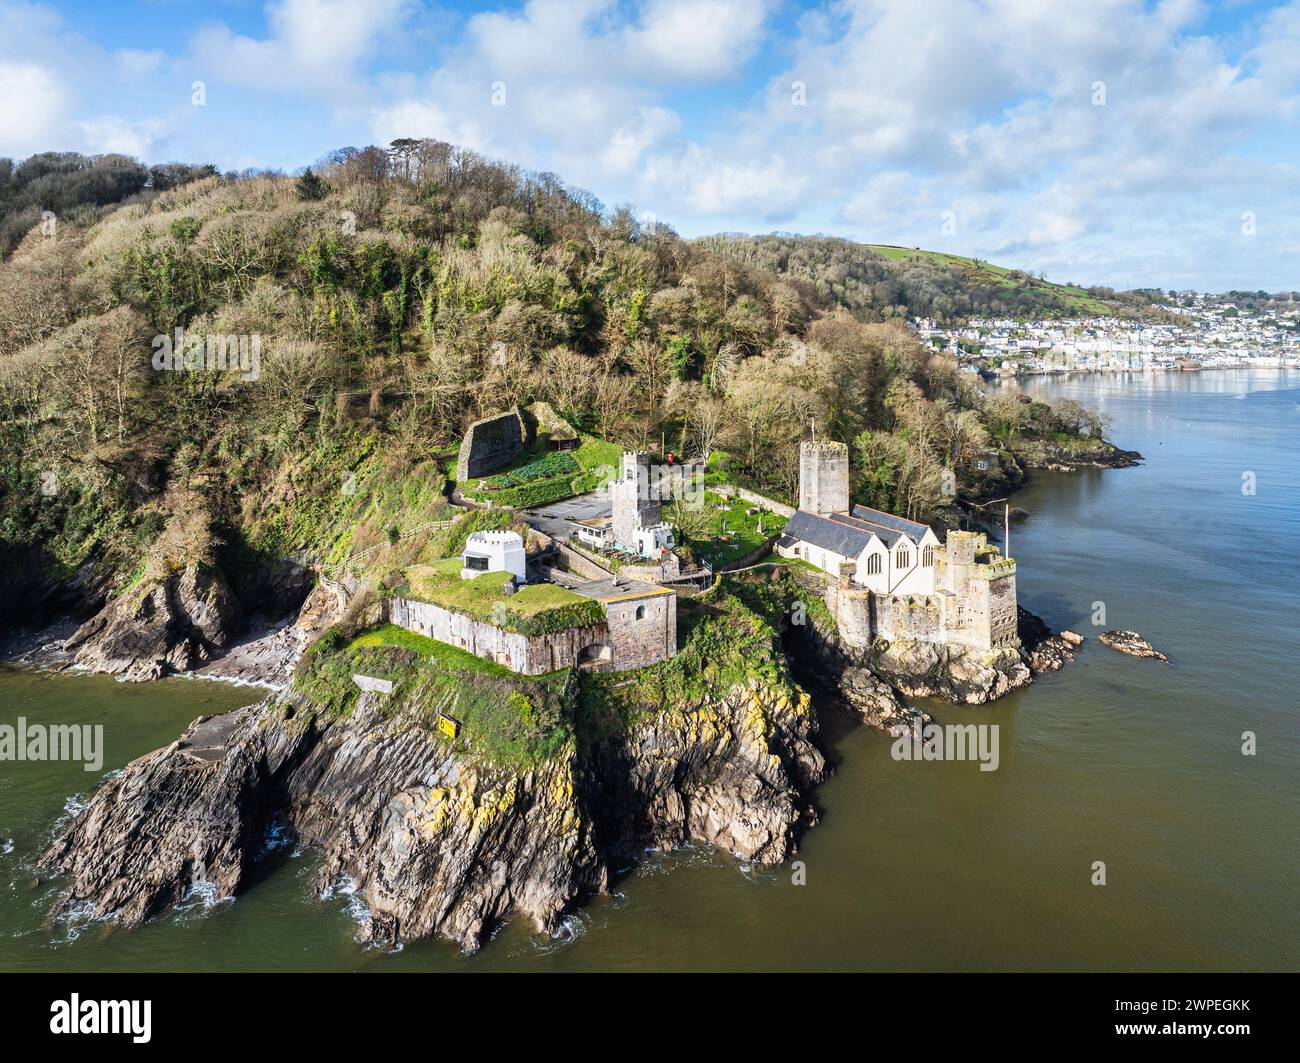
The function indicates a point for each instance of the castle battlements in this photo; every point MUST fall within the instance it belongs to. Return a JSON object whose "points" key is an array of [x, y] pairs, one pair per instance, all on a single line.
{"points": [[893, 578]]}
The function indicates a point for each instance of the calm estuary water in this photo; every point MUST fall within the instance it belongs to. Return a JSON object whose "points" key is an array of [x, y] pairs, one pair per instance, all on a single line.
{"points": [[914, 866]]}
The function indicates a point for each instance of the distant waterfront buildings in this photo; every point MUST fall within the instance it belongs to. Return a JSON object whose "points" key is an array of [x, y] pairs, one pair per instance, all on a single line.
{"points": [[1210, 334]]}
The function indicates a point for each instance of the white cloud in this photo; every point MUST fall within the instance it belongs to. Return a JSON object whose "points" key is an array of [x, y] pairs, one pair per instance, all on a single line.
{"points": [[703, 39], [112, 134], [984, 108], [916, 110], [136, 63], [34, 107], [629, 142], [313, 45], [416, 118]]}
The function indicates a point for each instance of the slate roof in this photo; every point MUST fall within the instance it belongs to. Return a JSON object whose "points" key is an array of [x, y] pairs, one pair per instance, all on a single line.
{"points": [[889, 536], [912, 529], [840, 537], [848, 534]]}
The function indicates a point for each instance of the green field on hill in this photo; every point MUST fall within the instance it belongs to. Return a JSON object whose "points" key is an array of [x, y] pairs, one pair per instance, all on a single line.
{"points": [[988, 273]]}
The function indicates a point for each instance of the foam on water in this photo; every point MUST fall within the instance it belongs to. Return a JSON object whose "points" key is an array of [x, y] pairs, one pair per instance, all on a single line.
{"points": [[355, 907]]}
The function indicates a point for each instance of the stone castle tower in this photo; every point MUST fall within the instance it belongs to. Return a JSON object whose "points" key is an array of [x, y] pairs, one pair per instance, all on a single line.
{"points": [[633, 500], [983, 610], [824, 477]]}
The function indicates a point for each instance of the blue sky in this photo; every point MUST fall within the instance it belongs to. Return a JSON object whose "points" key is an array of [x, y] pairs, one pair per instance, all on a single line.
{"points": [[1111, 142]]}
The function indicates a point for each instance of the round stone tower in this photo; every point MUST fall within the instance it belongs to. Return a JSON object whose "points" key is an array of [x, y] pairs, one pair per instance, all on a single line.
{"points": [[824, 477]]}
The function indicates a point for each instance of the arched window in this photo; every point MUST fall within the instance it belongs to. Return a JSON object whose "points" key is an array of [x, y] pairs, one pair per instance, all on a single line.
{"points": [[873, 565], [904, 558], [927, 557], [640, 612]]}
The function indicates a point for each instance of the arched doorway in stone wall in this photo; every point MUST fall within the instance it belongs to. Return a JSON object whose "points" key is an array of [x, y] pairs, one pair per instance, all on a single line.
{"points": [[596, 657]]}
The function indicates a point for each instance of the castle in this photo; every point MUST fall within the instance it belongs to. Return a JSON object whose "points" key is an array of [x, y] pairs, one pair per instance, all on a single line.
{"points": [[894, 580]]}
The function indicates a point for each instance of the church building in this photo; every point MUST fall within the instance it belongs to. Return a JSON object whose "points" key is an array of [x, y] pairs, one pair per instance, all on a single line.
{"points": [[892, 577]]}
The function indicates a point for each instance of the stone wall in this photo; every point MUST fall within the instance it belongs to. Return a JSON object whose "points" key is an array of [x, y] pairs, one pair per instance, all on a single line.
{"points": [[633, 504], [526, 654], [824, 477], [668, 569], [762, 501], [982, 616], [579, 563], [990, 604], [490, 445], [643, 641]]}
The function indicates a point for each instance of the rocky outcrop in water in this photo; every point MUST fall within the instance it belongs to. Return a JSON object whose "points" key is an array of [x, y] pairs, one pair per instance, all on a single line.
{"points": [[1130, 642], [877, 704], [1081, 454], [439, 842], [959, 674], [172, 624], [1054, 651]]}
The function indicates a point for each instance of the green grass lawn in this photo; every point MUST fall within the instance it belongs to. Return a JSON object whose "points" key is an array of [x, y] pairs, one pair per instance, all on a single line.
{"points": [[732, 530], [452, 658], [541, 477], [534, 609], [508, 719]]}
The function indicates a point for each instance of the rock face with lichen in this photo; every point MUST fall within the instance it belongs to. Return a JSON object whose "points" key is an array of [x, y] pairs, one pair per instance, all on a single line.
{"points": [[438, 840], [959, 674], [732, 771]]}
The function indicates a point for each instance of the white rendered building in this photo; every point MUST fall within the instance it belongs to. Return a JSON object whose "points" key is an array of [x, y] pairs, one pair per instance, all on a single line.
{"points": [[494, 551], [885, 554]]}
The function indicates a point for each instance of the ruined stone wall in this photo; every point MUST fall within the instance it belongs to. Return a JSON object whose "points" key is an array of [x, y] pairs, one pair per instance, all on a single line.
{"points": [[490, 445], [641, 642], [526, 654], [762, 501], [911, 617]]}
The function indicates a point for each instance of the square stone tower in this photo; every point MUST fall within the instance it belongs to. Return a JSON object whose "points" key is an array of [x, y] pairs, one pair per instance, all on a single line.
{"points": [[634, 500], [980, 606], [824, 477]]}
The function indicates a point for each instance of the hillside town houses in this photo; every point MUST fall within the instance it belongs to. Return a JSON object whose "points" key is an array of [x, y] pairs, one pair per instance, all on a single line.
{"points": [[1208, 333]]}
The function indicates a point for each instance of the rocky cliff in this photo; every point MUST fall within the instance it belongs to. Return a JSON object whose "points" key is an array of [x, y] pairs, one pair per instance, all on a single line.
{"points": [[439, 840], [1074, 454], [170, 624]]}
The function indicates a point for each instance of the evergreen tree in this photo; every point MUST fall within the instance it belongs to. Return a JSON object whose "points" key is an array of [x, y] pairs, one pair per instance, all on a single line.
{"points": [[310, 186]]}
